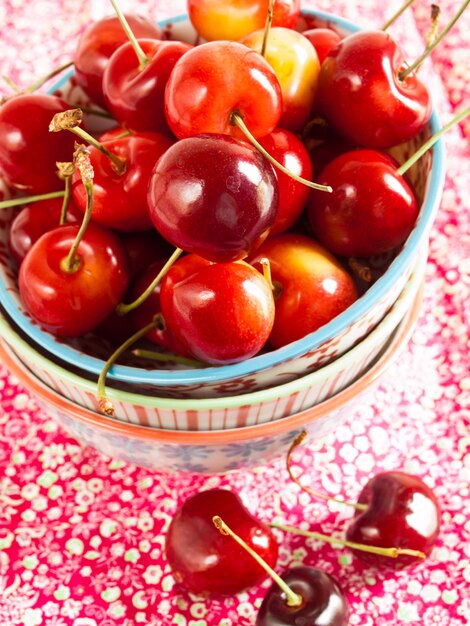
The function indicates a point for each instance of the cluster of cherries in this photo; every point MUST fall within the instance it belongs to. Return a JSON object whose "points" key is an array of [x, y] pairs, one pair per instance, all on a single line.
{"points": [[396, 524], [215, 156]]}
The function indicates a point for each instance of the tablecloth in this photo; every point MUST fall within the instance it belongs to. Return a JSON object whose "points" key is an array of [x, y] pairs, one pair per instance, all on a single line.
{"points": [[82, 535]]}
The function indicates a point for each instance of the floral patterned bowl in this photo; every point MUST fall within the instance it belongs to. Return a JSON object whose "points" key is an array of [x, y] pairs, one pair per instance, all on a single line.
{"points": [[86, 356], [228, 412], [206, 451]]}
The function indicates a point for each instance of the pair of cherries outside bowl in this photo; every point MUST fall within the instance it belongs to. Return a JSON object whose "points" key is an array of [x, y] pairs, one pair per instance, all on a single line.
{"points": [[220, 418]]}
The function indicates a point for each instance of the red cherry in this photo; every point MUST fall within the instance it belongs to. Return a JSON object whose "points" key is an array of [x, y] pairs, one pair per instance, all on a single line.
{"points": [[323, 601], [202, 559], [216, 80], [135, 95], [143, 249], [28, 151], [120, 200], [402, 512], [223, 313], [287, 148], [323, 40], [213, 195], [70, 303], [363, 97], [311, 287], [372, 208], [96, 45]]}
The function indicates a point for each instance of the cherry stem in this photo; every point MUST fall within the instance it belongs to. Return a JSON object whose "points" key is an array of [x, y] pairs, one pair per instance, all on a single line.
{"points": [[403, 75], [435, 15], [11, 84], [91, 111], [431, 141], [390, 552], [360, 269], [70, 120], [65, 171], [237, 120], [292, 599], [5, 204], [141, 56], [167, 358], [267, 28], [396, 15], [47, 77], [266, 265], [297, 441], [123, 309], [82, 160], [104, 403]]}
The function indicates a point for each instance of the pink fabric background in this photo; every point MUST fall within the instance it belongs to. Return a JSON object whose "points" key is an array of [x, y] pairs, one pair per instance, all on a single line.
{"points": [[81, 535]]}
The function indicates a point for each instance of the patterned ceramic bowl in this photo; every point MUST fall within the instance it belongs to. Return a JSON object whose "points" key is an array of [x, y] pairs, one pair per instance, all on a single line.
{"points": [[233, 411], [87, 355], [205, 451]]}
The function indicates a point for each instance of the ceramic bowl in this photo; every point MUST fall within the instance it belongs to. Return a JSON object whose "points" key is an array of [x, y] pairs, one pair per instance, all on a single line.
{"points": [[86, 355], [206, 451], [247, 409]]}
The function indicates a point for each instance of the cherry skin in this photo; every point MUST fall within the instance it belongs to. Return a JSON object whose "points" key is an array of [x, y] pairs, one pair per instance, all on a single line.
{"points": [[311, 287], [323, 40], [297, 68], [219, 19], [34, 220], [28, 151], [202, 559], [70, 303], [215, 80], [120, 200], [323, 144], [402, 512], [222, 313], [214, 196], [96, 45], [287, 148], [134, 95], [143, 249], [372, 208], [324, 602], [362, 96]]}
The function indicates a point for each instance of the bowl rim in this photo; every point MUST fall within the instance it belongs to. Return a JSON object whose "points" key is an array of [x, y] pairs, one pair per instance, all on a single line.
{"points": [[234, 435], [293, 350], [392, 319]]}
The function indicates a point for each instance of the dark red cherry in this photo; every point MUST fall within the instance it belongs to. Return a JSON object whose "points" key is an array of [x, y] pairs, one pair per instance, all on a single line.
{"points": [[202, 559], [402, 512], [323, 601]]}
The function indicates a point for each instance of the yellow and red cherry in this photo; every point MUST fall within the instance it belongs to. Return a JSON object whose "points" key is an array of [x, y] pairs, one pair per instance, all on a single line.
{"points": [[288, 150], [215, 81], [401, 511], [310, 286], [297, 68], [198, 554], [233, 19], [372, 208], [213, 195], [363, 96], [96, 45], [28, 152], [323, 40], [222, 313]]}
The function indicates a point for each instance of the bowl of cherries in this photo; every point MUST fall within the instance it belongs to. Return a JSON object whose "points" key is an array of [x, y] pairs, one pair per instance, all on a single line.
{"points": [[248, 231]]}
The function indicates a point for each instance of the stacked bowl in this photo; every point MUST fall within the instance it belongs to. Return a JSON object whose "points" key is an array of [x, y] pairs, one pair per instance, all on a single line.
{"points": [[213, 419]]}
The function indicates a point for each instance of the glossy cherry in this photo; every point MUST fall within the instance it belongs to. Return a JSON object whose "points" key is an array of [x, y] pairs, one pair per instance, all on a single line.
{"points": [[372, 208], [120, 200], [72, 302], [222, 313], [28, 152], [323, 601], [363, 97], [135, 95], [402, 511], [323, 40], [311, 287], [214, 81], [96, 45], [200, 557], [213, 195]]}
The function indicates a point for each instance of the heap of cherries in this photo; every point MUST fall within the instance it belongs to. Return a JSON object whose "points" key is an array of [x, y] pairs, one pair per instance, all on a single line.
{"points": [[245, 177]]}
